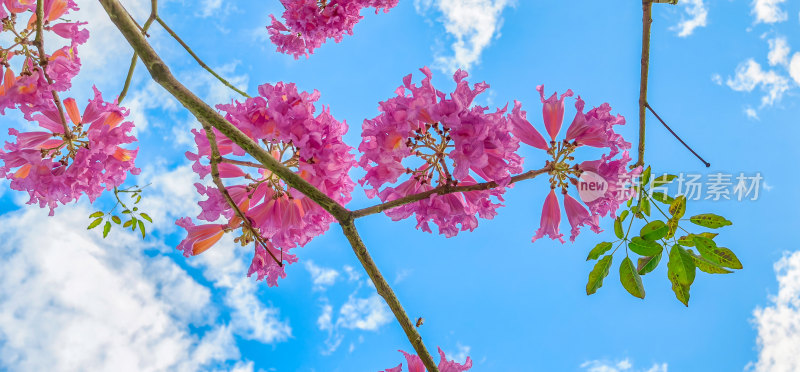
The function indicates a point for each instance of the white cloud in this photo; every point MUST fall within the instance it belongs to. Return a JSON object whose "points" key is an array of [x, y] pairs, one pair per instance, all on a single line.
{"points": [[769, 11], [171, 195], [322, 277], [366, 314], [751, 113], [352, 274], [226, 265], [750, 75], [210, 7], [461, 355], [778, 51], [794, 67], [778, 324], [73, 301], [717, 79], [696, 16], [472, 24], [624, 365]]}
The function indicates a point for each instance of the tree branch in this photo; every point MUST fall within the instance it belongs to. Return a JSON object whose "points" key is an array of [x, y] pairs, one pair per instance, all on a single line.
{"points": [[204, 113], [349, 230], [215, 159], [443, 190], [647, 20]]}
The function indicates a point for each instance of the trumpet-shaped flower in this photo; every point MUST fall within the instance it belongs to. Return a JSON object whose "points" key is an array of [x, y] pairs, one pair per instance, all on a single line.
{"points": [[57, 168], [284, 121], [415, 364], [309, 23], [439, 141]]}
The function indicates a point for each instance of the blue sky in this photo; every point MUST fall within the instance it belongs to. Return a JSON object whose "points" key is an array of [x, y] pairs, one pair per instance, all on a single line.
{"points": [[724, 74]]}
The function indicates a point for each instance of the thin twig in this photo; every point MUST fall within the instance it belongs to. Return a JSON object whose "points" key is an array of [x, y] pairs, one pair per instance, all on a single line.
{"points": [[215, 158], [443, 190], [132, 68], [676, 136], [43, 66], [196, 58]]}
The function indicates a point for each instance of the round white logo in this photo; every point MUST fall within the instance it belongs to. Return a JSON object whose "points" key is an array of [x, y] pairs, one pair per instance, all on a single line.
{"points": [[591, 186]]}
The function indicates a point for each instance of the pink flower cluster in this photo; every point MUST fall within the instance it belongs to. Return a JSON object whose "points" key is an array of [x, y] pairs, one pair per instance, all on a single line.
{"points": [[28, 89], [594, 129], [309, 23], [284, 121], [54, 169], [415, 364], [439, 141], [74, 154]]}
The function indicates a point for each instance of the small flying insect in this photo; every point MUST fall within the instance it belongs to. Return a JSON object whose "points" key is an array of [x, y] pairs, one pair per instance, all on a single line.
{"points": [[420, 321]]}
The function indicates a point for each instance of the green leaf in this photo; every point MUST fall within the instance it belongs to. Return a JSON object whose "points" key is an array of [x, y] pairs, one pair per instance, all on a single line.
{"points": [[662, 198], [681, 272], [598, 273], [134, 223], [644, 247], [648, 264], [678, 207], [645, 206], [138, 199], [663, 180], [97, 214], [646, 176], [599, 250], [94, 223], [623, 216], [145, 216], [688, 241], [672, 226], [141, 228], [712, 221], [718, 255], [629, 202], [654, 230], [630, 279], [127, 224], [707, 266], [681, 264], [116, 219], [106, 229], [681, 290], [618, 229]]}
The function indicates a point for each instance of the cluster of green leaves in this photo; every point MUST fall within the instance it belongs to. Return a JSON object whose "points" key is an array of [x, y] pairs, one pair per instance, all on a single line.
{"points": [[658, 235], [132, 217]]}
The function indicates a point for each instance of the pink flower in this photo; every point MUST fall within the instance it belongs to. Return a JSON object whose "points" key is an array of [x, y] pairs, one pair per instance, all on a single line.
{"points": [[309, 23], [578, 216], [523, 129], [619, 179], [551, 218], [415, 364], [55, 170], [553, 111], [284, 121], [456, 142], [266, 268], [200, 238], [595, 128]]}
